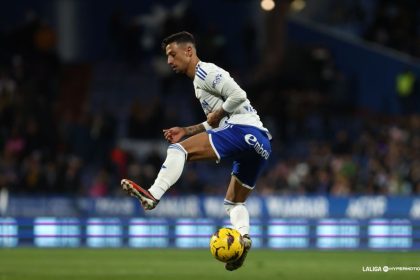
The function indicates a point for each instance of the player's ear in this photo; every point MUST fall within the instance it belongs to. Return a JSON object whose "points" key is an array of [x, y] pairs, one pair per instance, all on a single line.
{"points": [[189, 51]]}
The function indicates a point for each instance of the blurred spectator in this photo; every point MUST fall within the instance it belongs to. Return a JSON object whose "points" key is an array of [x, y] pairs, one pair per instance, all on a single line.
{"points": [[100, 186], [145, 120]]}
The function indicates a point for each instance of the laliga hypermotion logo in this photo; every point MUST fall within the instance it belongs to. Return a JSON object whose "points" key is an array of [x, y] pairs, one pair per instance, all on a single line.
{"points": [[259, 148]]}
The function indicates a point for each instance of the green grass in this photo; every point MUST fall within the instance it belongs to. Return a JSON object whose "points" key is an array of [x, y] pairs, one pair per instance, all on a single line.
{"points": [[139, 264]]}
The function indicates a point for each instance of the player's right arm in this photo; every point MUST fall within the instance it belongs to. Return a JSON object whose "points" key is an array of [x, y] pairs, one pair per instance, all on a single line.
{"points": [[214, 118], [175, 134]]}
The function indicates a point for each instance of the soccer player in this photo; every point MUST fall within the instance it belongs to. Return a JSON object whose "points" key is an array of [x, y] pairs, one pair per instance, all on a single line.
{"points": [[233, 130]]}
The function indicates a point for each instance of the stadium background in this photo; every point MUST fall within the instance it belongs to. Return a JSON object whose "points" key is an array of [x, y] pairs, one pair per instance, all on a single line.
{"points": [[85, 92]]}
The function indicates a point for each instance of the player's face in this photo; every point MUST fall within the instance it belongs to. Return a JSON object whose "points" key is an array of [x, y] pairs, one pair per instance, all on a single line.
{"points": [[179, 56]]}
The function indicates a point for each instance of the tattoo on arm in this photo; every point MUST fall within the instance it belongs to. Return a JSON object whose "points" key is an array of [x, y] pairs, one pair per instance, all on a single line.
{"points": [[194, 129]]}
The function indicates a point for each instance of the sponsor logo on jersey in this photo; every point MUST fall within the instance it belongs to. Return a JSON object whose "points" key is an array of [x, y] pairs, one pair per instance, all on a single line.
{"points": [[252, 140]]}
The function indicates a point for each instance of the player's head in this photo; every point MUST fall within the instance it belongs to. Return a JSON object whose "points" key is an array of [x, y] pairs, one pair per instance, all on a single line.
{"points": [[180, 50]]}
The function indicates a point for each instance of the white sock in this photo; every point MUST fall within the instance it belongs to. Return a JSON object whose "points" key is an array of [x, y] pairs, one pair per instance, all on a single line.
{"points": [[170, 172], [239, 216]]}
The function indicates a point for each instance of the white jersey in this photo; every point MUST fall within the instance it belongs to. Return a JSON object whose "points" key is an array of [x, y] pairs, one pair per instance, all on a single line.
{"points": [[215, 88]]}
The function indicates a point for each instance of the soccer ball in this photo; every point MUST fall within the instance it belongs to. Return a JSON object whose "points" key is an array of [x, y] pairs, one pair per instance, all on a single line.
{"points": [[226, 245]]}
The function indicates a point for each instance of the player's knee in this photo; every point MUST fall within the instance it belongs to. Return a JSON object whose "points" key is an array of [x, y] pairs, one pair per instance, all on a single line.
{"points": [[229, 205], [177, 149]]}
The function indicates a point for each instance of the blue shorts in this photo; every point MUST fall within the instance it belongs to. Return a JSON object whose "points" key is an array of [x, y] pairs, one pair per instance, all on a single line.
{"points": [[248, 146]]}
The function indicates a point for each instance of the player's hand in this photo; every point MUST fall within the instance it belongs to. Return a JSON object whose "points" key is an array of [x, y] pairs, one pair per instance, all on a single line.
{"points": [[214, 118], [174, 134]]}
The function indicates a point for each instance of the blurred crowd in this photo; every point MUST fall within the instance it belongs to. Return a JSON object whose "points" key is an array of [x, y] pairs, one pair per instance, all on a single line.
{"points": [[322, 143], [372, 157]]}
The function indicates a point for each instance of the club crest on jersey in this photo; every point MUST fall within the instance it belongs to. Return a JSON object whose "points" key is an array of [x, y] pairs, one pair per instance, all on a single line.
{"points": [[259, 148], [217, 80]]}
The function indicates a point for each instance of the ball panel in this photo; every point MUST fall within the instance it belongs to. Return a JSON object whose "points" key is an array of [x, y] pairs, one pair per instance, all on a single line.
{"points": [[226, 245]]}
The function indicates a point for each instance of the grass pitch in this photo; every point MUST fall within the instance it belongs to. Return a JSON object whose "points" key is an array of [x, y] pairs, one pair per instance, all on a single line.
{"points": [[139, 264]]}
